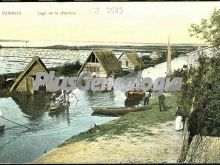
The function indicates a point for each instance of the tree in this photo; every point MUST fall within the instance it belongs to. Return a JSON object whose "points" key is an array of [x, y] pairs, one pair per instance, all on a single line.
{"points": [[208, 29]]}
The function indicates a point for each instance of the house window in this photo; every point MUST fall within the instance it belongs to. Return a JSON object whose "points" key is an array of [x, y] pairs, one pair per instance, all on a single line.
{"points": [[120, 62], [126, 63]]}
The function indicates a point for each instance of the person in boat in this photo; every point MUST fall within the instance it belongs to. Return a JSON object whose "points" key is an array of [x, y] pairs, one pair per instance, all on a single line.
{"points": [[67, 95], [147, 97], [59, 100], [161, 100], [64, 97], [53, 97]]}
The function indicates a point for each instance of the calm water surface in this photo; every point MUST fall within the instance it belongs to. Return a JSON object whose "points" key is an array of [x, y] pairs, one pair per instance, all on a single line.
{"points": [[19, 145]]}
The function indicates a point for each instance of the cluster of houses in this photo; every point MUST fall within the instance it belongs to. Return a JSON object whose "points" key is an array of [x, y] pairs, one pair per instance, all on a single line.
{"points": [[103, 63]]}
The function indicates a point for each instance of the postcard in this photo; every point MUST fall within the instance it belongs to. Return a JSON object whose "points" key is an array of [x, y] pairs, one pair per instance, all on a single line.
{"points": [[109, 82]]}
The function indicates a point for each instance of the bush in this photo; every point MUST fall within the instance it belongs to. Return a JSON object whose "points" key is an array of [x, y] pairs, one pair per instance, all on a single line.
{"points": [[201, 92], [146, 59], [67, 69]]}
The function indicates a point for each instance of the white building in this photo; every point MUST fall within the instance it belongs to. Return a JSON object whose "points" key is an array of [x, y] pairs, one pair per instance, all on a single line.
{"points": [[130, 61]]}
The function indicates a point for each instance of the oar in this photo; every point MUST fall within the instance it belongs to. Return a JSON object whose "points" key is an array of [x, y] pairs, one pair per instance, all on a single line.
{"points": [[15, 122]]}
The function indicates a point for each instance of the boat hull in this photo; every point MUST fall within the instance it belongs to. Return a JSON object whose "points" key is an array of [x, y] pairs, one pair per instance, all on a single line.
{"points": [[134, 95], [2, 127], [116, 111], [54, 109]]}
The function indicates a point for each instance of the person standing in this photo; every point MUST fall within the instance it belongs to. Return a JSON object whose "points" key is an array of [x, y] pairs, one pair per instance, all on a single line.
{"points": [[161, 100], [147, 97], [179, 120]]}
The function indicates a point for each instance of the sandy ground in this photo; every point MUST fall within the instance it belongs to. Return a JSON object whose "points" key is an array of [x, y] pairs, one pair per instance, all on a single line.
{"points": [[157, 144]]}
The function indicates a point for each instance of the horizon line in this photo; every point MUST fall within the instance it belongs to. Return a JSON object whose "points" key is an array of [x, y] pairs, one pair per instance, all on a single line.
{"points": [[125, 42]]}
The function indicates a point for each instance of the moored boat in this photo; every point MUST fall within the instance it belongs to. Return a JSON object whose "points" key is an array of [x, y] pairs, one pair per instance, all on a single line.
{"points": [[2, 127], [103, 110], [134, 95], [59, 107]]}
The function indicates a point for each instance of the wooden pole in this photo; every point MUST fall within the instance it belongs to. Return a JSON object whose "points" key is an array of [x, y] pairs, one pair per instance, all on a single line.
{"points": [[15, 122]]}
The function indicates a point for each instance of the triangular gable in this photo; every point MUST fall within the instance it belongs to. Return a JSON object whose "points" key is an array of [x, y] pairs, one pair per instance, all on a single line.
{"points": [[107, 60], [35, 60]]}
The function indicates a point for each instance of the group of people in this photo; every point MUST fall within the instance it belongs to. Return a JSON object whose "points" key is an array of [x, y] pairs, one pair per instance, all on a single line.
{"points": [[61, 99], [179, 122], [161, 100]]}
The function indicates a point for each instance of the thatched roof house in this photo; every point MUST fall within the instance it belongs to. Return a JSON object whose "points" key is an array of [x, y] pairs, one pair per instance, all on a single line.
{"points": [[101, 62], [155, 55], [25, 81], [130, 61]]}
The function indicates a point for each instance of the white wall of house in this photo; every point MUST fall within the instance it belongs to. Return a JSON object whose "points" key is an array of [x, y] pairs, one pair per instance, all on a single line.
{"points": [[125, 63]]}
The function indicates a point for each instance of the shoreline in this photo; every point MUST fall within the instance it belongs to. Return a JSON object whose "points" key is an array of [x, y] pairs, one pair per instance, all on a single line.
{"points": [[140, 137], [160, 143]]}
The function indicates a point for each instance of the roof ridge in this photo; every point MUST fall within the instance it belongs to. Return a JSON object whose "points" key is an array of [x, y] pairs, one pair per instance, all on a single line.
{"points": [[19, 78]]}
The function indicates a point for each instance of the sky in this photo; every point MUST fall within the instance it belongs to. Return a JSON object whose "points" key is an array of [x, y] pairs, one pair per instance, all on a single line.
{"points": [[139, 22]]}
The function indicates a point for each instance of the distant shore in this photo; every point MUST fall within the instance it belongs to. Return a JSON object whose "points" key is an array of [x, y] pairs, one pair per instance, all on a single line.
{"points": [[141, 48]]}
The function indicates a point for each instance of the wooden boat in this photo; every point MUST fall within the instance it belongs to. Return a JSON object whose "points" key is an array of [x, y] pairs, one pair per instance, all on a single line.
{"points": [[58, 107], [134, 95], [2, 127], [115, 111]]}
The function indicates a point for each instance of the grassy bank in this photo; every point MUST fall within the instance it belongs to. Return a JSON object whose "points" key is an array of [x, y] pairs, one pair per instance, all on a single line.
{"points": [[132, 122]]}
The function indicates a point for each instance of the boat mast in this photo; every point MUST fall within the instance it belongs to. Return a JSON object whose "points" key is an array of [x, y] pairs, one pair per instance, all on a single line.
{"points": [[168, 57]]}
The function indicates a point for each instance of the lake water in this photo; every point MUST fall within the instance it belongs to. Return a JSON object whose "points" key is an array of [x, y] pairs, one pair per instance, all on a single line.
{"points": [[19, 145], [22, 56], [51, 57]]}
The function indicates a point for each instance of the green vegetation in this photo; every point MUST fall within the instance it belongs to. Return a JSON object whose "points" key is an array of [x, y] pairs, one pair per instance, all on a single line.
{"points": [[5, 85], [200, 93], [131, 122], [209, 29], [68, 69], [199, 97]]}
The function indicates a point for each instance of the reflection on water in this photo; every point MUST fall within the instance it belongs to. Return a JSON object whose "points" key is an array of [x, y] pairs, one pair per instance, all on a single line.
{"points": [[32, 106], [19, 145], [62, 114]]}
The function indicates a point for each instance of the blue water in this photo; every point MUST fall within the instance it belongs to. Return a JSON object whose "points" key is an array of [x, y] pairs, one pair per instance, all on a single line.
{"points": [[19, 145]]}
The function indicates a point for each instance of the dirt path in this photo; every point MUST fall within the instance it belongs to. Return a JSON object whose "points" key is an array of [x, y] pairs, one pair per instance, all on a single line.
{"points": [[157, 144]]}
